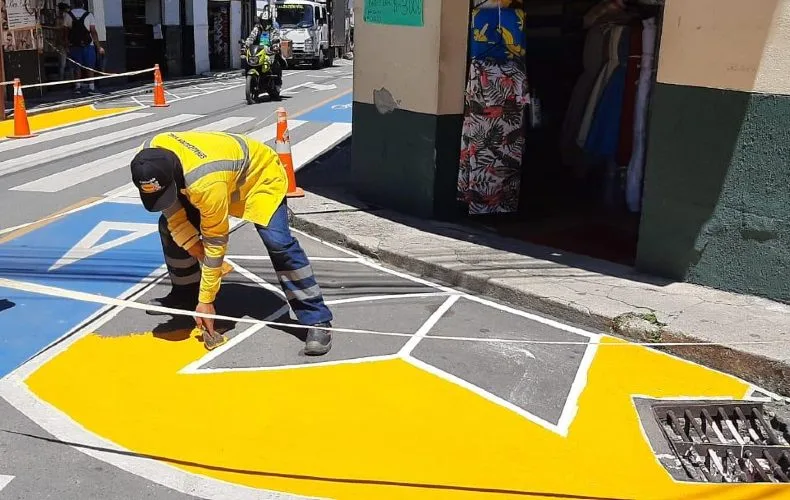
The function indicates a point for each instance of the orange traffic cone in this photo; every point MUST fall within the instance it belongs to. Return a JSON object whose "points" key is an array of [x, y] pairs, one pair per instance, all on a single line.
{"points": [[159, 89], [283, 147], [21, 125]]}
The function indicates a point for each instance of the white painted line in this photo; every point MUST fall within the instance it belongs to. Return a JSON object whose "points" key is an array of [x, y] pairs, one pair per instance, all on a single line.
{"points": [[89, 171], [314, 146], [60, 152], [4, 480], [72, 130], [406, 276], [330, 245], [255, 278], [571, 407], [485, 395], [194, 367], [377, 298], [269, 132], [351, 361], [428, 325], [318, 259]]}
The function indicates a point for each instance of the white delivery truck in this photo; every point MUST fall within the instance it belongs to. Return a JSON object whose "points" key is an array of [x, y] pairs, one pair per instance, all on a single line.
{"points": [[319, 30]]}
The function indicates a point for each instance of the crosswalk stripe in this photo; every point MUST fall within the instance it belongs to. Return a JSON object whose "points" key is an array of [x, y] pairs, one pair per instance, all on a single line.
{"points": [[310, 148], [4, 480], [17, 164], [269, 132], [92, 170], [69, 131]]}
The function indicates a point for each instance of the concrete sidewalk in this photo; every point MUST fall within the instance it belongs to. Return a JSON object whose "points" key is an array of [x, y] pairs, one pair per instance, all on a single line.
{"points": [[569, 287]]}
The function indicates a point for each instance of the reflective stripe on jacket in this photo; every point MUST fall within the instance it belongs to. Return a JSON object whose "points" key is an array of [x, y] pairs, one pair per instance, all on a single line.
{"points": [[225, 175]]}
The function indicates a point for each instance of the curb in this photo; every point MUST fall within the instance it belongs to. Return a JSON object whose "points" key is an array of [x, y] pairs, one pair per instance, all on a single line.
{"points": [[766, 373]]}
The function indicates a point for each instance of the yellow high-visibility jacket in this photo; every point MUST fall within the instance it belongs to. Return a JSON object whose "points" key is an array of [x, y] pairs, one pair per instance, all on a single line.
{"points": [[225, 174]]}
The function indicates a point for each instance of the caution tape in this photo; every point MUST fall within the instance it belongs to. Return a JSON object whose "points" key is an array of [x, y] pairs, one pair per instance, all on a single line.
{"points": [[62, 52], [52, 291], [93, 78]]}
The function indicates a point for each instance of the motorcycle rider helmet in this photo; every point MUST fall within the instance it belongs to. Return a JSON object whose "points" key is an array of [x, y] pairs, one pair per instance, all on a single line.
{"points": [[265, 17]]}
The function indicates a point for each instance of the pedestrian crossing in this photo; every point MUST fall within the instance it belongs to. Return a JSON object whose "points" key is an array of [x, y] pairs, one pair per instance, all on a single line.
{"points": [[88, 157]]}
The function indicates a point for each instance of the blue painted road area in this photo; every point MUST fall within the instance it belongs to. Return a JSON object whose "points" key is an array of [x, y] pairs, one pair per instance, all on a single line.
{"points": [[337, 111], [105, 249]]}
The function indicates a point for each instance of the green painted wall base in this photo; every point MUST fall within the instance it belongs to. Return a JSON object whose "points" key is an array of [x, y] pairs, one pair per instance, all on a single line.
{"points": [[406, 161], [717, 190]]}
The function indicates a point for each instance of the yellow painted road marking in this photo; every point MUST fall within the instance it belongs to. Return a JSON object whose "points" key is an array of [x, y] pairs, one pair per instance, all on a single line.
{"points": [[385, 430], [62, 117]]}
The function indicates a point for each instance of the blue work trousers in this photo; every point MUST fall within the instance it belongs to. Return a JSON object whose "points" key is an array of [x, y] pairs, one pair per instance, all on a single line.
{"points": [[289, 261]]}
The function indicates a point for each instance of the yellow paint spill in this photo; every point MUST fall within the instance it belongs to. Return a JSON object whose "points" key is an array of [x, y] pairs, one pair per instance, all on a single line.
{"points": [[60, 118], [384, 430]]}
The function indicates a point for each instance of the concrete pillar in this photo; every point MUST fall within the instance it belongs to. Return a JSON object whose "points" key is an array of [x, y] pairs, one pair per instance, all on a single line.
{"points": [[716, 208], [235, 33], [171, 31], [408, 108], [115, 38], [200, 26]]}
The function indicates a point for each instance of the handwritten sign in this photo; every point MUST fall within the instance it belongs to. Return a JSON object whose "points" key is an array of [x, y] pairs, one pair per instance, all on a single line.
{"points": [[394, 12], [20, 15]]}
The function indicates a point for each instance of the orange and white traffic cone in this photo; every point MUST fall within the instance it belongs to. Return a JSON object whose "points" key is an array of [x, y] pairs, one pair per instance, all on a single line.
{"points": [[159, 89], [282, 145], [21, 125]]}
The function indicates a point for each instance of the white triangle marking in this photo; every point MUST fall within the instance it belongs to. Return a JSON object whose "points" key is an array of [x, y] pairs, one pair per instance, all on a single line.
{"points": [[4, 480], [85, 247]]}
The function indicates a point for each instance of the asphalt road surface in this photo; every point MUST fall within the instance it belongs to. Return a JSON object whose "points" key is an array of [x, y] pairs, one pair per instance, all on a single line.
{"points": [[437, 394]]}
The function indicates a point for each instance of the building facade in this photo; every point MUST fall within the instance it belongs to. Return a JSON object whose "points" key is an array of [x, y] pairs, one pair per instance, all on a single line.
{"points": [[713, 188]]}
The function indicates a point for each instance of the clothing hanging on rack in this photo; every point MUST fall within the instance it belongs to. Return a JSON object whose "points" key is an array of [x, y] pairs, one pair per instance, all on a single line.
{"points": [[626, 140], [633, 192], [604, 135], [492, 140], [492, 137], [595, 44]]}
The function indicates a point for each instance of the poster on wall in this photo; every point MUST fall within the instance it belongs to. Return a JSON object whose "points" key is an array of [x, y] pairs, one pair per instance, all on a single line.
{"points": [[394, 12], [19, 14], [20, 29]]}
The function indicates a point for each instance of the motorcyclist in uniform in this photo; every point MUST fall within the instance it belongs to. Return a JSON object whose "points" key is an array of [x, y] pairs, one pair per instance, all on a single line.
{"points": [[265, 23]]}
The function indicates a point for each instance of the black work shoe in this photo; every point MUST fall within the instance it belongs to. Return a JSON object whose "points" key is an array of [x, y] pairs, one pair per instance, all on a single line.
{"points": [[318, 341], [186, 299]]}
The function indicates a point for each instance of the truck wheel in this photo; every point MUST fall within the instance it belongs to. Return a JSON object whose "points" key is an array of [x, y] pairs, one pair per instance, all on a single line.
{"points": [[330, 57], [318, 62]]}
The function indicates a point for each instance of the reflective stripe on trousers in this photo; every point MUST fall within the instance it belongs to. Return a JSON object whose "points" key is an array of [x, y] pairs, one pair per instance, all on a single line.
{"points": [[293, 270]]}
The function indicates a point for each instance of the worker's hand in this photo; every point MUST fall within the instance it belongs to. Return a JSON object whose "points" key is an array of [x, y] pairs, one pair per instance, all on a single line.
{"points": [[206, 323], [101, 50], [197, 251]]}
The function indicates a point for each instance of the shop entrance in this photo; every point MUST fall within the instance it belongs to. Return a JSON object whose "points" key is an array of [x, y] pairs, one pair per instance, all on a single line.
{"points": [[219, 35], [586, 67]]}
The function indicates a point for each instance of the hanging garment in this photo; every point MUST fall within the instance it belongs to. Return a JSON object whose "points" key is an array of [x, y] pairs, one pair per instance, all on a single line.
{"points": [[604, 135], [626, 142], [633, 187], [492, 140], [595, 49], [600, 84]]}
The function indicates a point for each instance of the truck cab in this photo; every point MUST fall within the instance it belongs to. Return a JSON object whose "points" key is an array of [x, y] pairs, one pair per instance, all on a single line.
{"points": [[306, 24]]}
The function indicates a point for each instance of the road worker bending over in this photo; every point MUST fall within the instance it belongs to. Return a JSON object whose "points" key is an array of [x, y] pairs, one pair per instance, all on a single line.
{"points": [[199, 179]]}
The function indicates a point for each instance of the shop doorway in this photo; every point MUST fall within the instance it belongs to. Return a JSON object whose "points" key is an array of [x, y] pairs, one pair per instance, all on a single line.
{"points": [[142, 49], [578, 188], [219, 35]]}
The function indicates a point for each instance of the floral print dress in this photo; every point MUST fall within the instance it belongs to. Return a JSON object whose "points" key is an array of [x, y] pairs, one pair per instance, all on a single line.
{"points": [[492, 141]]}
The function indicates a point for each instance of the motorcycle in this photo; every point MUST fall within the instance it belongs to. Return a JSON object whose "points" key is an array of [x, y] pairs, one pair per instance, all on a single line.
{"points": [[259, 72]]}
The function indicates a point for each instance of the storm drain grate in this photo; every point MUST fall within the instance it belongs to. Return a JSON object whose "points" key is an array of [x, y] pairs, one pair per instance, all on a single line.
{"points": [[727, 442]]}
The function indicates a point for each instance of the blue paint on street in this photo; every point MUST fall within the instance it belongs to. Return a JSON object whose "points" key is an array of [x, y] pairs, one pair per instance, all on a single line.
{"points": [[337, 111], [31, 321]]}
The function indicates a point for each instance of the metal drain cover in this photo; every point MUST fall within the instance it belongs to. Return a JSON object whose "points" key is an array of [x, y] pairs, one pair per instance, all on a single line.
{"points": [[719, 441]]}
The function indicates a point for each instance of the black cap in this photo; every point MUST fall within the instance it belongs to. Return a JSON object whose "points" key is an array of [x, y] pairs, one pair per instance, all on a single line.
{"points": [[153, 173]]}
